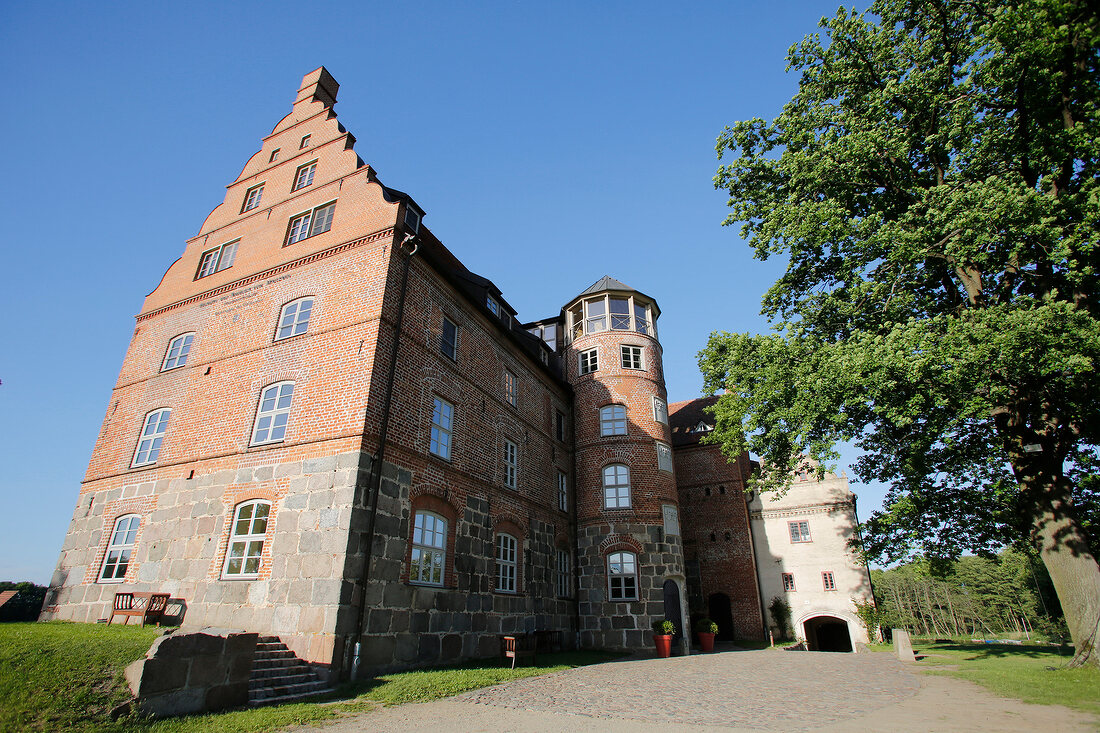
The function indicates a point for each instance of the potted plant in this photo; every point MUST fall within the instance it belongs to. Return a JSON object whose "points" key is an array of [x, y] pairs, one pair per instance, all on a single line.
{"points": [[706, 629], [663, 631]]}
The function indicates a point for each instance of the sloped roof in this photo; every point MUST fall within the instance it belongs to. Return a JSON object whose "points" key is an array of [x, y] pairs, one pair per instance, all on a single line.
{"points": [[607, 283], [7, 595], [684, 416]]}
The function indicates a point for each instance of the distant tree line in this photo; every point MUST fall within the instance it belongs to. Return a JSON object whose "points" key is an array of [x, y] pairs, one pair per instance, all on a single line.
{"points": [[24, 606], [973, 596]]}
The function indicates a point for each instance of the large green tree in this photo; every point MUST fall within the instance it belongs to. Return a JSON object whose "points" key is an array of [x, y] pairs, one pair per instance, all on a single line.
{"points": [[933, 186]]}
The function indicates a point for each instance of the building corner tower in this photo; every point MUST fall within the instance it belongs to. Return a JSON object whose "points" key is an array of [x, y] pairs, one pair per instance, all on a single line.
{"points": [[630, 560]]}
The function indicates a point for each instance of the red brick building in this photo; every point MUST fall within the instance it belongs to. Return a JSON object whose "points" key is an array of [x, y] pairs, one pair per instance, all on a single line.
{"points": [[328, 429]]}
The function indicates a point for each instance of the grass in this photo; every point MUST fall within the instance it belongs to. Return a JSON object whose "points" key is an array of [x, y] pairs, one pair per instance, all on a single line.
{"points": [[60, 676], [1034, 674]]}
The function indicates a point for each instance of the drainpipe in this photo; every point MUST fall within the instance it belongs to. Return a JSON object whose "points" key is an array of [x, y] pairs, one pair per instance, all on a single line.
{"points": [[408, 247]]}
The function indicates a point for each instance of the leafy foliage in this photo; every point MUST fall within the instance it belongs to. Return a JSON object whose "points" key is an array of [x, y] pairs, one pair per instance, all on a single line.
{"points": [[934, 185], [781, 617], [1006, 594], [26, 605]]}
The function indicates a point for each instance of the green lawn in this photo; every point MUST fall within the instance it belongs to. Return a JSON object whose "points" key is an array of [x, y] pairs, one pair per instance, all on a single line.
{"points": [[1034, 674], [59, 676]]}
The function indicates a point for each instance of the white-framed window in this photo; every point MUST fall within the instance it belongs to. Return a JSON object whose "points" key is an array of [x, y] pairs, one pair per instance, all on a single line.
{"points": [[828, 582], [178, 349], [492, 305], [563, 491], [589, 362], [117, 559], [427, 563], [311, 223], [274, 155], [511, 464], [304, 176], [800, 531], [564, 574], [616, 486], [443, 414], [217, 259], [448, 339], [596, 314], [246, 540], [622, 576], [305, 142], [252, 197], [272, 413], [788, 582], [613, 420], [660, 410], [152, 435], [664, 456], [511, 388], [548, 332], [631, 356], [294, 318], [506, 563]]}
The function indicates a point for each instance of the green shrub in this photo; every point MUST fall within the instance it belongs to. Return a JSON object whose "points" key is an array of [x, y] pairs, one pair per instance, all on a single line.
{"points": [[706, 626], [664, 627]]}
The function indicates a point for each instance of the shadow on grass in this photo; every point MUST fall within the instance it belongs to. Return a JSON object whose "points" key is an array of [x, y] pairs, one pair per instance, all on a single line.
{"points": [[995, 651]]}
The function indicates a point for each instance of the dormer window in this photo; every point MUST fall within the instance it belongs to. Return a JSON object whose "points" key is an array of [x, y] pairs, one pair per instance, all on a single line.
{"points": [[492, 305], [702, 427], [412, 220]]}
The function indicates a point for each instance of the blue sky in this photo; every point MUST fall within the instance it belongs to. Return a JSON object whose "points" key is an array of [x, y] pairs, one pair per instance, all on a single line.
{"points": [[549, 143]]}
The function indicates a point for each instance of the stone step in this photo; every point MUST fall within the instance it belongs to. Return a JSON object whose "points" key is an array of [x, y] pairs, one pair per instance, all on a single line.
{"points": [[284, 654], [288, 698], [257, 683], [291, 667], [298, 688]]}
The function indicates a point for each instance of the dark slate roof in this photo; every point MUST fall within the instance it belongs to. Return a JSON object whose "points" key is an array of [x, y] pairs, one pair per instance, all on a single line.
{"points": [[607, 283], [684, 416]]}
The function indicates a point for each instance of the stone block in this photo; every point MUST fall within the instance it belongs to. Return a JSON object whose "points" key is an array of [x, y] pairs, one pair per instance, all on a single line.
{"points": [[406, 647], [418, 622], [428, 650], [286, 470], [319, 465], [451, 647], [227, 696], [156, 676], [378, 650], [379, 620], [297, 501], [206, 671]]}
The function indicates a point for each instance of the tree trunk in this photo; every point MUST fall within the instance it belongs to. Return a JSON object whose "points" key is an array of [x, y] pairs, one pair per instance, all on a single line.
{"points": [[1073, 568]]}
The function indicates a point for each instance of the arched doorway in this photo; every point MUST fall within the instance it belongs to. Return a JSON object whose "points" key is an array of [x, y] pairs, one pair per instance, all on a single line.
{"points": [[718, 608], [672, 609], [827, 634]]}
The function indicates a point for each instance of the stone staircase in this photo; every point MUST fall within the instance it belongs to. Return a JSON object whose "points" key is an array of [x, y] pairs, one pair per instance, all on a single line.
{"points": [[279, 676]]}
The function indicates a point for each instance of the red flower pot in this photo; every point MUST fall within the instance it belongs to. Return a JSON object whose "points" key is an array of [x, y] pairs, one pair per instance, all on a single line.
{"points": [[706, 641], [664, 645]]}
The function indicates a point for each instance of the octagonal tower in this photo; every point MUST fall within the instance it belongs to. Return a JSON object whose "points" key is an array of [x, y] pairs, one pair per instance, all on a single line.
{"points": [[630, 561]]}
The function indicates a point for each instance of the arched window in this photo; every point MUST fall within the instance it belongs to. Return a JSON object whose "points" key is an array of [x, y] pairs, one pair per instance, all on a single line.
{"points": [[429, 549], [294, 318], [622, 576], [178, 349], [613, 420], [246, 540], [616, 486], [506, 563], [273, 413], [117, 558], [152, 435]]}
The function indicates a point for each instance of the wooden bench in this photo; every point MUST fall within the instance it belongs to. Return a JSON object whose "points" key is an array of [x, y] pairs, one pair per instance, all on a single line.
{"points": [[147, 606], [517, 646]]}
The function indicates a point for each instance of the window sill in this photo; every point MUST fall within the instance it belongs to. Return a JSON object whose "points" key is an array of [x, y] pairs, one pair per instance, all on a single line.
{"points": [[112, 581]]}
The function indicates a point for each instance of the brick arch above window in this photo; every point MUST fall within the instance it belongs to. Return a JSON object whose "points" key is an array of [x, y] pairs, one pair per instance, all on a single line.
{"points": [[432, 499], [618, 543], [509, 525]]}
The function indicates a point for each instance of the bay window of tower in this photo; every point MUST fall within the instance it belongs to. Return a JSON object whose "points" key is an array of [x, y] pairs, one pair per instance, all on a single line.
{"points": [[610, 313]]}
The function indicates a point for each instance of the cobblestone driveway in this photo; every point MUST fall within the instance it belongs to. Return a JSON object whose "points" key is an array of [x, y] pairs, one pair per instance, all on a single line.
{"points": [[768, 690]]}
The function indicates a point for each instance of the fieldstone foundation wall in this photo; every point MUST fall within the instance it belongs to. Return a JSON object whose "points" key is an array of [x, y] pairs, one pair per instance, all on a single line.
{"points": [[185, 673], [624, 624], [181, 546], [407, 625]]}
